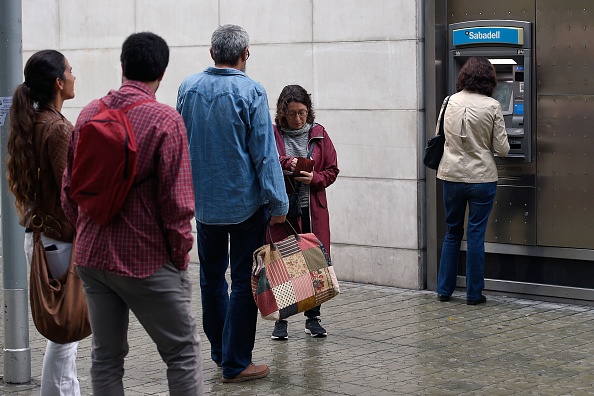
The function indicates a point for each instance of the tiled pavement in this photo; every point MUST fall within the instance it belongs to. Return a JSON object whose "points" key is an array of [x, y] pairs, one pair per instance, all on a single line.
{"points": [[388, 341]]}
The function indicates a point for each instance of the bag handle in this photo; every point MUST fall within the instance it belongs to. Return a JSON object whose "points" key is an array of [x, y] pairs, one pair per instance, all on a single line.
{"points": [[272, 245], [445, 106], [295, 185], [37, 212], [311, 146]]}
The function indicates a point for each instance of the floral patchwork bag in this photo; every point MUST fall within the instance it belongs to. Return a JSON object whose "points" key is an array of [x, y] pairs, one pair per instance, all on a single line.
{"points": [[292, 276]]}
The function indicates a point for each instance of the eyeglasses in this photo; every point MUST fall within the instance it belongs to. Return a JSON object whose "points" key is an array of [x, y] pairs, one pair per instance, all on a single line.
{"points": [[301, 114], [248, 55]]}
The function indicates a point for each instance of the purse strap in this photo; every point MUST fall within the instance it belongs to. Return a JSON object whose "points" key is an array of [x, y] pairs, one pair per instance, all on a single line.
{"points": [[295, 185], [310, 146], [272, 244], [445, 106], [37, 213]]}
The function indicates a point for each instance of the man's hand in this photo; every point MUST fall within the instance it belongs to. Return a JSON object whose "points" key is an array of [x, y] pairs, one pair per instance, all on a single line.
{"points": [[277, 219]]}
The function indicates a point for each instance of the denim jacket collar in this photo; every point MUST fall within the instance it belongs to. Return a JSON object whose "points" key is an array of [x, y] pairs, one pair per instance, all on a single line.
{"points": [[229, 71]]}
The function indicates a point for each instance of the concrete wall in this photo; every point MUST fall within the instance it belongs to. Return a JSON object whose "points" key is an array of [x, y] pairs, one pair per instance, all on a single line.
{"points": [[361, 60]]}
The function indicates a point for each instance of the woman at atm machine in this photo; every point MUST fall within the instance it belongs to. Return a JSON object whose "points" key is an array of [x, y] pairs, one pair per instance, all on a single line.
{"points": [[474, 128]]}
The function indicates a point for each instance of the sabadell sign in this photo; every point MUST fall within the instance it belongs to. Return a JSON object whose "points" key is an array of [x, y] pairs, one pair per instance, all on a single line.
{"points": [[488, 35]]}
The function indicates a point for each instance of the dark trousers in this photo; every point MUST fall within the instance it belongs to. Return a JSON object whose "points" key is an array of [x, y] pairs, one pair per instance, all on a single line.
{"points": [[229, 319]]}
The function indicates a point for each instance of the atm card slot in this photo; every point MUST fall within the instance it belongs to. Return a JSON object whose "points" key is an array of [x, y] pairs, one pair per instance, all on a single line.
{"points": [[509, 180], [510, 155], [515, 145], [514, 131]]}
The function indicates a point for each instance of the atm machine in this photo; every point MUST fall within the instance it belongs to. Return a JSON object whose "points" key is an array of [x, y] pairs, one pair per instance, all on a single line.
{"points": [[540, 236], [508, 45]]}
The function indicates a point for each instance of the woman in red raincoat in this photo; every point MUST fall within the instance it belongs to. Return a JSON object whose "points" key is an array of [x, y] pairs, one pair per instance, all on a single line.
{"points": [[297, 135]]}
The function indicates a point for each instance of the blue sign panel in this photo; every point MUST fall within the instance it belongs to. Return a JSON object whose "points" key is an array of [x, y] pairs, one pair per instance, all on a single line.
{"points": [[519, 108], [488, 35]]}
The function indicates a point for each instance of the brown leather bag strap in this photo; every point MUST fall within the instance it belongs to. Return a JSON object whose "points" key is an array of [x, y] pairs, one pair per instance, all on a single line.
{"points": [[37, 222]]}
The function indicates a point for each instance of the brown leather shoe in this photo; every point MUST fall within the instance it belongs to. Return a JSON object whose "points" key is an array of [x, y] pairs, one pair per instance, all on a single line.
{"points": [[251, 372]]}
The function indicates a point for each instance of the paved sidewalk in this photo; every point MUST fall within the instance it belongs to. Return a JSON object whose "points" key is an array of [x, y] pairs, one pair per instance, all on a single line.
{"points": [[388, 341]]}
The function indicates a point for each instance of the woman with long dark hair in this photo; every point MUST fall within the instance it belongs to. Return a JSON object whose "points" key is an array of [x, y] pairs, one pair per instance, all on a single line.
{"points": [[39, 138], [474, 127], [298, 135]]}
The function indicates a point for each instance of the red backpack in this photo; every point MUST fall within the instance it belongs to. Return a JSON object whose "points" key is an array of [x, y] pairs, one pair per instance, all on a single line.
{"points": [[104, 165]]}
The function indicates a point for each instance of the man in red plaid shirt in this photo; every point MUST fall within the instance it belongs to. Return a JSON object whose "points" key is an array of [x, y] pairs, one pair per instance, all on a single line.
{"points": [[139, 260]]}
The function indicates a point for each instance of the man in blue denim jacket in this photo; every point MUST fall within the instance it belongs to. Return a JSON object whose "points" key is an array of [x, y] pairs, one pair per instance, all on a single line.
{"points": [[238, 183]]}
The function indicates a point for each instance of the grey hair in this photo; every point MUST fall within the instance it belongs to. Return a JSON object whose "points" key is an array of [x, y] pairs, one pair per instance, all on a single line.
{"points": [[227, 44]]}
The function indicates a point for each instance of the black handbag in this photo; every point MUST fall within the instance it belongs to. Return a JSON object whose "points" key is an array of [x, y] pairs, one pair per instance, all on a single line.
{"points": [[434, 147]]}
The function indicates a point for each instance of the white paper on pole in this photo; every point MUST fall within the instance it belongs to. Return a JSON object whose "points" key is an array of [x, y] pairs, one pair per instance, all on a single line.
{"points": [[5, 103]]}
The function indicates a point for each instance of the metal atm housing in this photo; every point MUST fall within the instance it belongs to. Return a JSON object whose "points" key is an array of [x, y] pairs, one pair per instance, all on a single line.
{"points": [[508, 45], [540, 236]]}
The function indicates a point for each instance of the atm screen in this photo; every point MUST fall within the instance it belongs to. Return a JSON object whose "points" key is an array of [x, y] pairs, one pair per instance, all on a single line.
{"points": [[504, 94]]}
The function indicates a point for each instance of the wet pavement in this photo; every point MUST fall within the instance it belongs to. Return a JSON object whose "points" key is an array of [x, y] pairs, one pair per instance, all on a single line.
{"points": [[387, 341]]}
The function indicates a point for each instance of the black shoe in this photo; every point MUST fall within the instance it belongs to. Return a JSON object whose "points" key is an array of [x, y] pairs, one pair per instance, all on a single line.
{"points": [[280, 330], [314, 328], [443, 298], [481, 300]]}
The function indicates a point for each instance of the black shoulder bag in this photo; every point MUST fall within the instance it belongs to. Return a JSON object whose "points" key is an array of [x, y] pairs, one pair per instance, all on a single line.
{"points": [[434, 147]]}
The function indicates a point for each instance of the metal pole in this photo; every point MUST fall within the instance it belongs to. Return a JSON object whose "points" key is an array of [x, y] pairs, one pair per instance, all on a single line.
{"points": [[17, 354]]}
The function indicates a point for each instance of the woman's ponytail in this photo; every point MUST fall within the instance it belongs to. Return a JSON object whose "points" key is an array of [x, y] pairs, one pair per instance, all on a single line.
{"points": [[20, 149]]}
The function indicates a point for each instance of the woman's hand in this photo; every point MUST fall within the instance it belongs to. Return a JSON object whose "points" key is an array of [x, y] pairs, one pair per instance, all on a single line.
{"points": [[306, 177], [293, 165]]}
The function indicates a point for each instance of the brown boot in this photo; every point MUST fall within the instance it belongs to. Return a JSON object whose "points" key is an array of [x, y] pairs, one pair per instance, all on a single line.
{"points": [[251, 372]]}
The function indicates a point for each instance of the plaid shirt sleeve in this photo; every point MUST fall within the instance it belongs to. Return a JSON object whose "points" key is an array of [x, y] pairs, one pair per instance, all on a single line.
{"points": [[175, 192]]}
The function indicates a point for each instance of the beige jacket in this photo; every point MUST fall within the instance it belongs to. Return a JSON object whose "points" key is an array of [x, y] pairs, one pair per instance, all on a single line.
{"points": [[474, 127]]}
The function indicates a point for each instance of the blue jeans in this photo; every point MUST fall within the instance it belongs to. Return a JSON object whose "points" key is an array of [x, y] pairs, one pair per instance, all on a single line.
{"points": [[456, 196], [229, 321]]}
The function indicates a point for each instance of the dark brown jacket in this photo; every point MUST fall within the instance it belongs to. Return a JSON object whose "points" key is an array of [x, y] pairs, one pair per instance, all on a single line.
{"points": [[50, 141]]}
